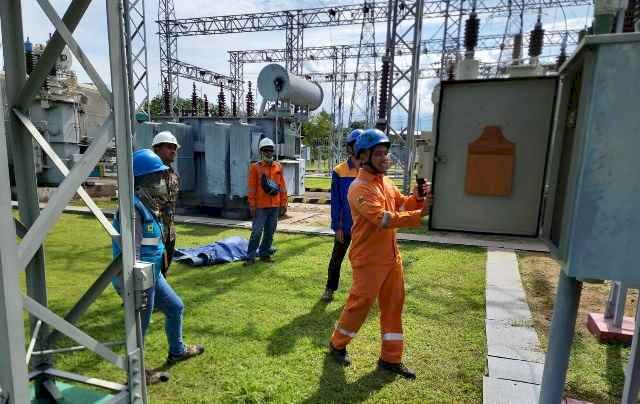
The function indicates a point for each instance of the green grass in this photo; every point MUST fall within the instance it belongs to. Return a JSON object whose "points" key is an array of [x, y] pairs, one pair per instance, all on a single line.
{"points": [[102, 202], [266, 332], [325, 182]]}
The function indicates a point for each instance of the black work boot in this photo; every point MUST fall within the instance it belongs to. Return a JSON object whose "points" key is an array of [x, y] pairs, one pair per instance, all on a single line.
{"points": [[249, 262], [327, 296], [340, 355], [397, 368]]}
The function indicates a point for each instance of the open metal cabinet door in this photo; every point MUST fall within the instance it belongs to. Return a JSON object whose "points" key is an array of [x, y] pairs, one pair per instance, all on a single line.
{"points": [[491, 152]]}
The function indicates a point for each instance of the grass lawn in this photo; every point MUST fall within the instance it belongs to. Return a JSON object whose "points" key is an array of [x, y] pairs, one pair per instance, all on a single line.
{"points": [[266, 332], [325, 182], [595, 370], [102, 202]]}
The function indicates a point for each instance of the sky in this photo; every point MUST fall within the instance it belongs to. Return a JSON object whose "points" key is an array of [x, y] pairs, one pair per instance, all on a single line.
{"points": [[211, 51]]}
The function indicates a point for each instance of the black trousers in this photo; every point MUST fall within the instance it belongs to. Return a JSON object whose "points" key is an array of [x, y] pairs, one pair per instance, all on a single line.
{"points": [[339, 251], [169, 249]]}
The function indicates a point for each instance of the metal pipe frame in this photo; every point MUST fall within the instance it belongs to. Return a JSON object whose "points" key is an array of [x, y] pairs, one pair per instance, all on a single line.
{"points": [[14, 257]]}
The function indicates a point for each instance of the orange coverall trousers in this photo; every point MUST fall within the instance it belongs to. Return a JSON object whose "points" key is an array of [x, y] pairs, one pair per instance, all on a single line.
{"points": [[387, 286]]}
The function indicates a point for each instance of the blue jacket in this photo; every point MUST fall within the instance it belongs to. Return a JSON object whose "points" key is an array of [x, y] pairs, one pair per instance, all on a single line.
{"points": [[341, 177], [149, 244]]}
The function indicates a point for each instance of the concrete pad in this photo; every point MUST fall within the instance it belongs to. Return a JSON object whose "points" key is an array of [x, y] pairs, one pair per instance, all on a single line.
{"points": [[508, 340], [515, 370], [498, 391], [604, 330]]}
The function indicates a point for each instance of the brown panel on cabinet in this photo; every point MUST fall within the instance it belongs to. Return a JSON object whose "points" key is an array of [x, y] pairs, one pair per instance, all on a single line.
{"points": [[490, 162]]}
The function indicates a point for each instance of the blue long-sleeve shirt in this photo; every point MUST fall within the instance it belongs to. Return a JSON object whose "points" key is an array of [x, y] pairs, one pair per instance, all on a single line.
{"points": [[341, 177]]}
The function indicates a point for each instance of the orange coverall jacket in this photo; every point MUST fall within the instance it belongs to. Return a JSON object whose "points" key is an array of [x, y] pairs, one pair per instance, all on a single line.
{"points": [[256, 195], [375, 201]]}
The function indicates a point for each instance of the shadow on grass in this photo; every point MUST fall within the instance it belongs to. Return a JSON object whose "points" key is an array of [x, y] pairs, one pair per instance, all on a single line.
{"points": [[317, 324], [333, 386]]}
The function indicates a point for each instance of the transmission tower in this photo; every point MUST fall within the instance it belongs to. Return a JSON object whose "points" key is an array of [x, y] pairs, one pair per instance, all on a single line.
{"points": [[363, 91], [337, 79], [168, 49], [136, 34]]}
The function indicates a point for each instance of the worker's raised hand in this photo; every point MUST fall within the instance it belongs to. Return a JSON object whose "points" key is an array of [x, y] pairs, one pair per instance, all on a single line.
{"points": [[425, 188], [428, 199]]}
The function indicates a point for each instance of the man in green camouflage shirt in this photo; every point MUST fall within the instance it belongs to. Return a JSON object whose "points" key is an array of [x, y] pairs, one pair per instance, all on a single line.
{"points": [[166, 147]]}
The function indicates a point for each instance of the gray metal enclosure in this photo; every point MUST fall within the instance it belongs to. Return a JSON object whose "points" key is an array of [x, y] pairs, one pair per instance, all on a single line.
{"points": [[523, 109], [593, 217]]}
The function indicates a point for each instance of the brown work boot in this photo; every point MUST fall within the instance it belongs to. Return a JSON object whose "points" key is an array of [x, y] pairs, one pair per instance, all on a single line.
{"points": [[155, 376], [189, 352]]}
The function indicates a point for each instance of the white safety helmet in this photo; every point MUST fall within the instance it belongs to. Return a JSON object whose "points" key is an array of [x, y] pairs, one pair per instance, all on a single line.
{"points": [[164, 137], [265, 142]]}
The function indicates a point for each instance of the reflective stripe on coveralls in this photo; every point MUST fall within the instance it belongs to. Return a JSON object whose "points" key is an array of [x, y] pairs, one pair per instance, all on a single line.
{"points": [[377, 208]]}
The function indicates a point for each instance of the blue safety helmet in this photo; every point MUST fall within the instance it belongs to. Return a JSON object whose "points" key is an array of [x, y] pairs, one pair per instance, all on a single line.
{"points": [[146, 162], [369, 139], [353, 136]]}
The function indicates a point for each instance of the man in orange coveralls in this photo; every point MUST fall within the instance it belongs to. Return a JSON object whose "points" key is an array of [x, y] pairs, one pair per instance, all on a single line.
{"points": [[378, 209]]}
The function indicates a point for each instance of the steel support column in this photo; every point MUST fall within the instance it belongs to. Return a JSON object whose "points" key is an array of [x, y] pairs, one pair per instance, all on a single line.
{"points": [[13, 372], [124, 150], [563, 324], [24, 167]]}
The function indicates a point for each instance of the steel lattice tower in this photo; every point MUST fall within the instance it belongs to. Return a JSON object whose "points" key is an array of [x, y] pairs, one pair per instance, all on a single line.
{"points": [[136, 33], [168, 49], [365, 91]]}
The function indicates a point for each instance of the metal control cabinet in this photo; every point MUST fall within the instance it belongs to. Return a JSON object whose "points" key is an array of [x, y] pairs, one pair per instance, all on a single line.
{"points": [[592, 215], [522, 111]]}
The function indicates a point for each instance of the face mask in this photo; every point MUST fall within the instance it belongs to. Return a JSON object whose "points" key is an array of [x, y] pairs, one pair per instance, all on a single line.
{"points": [[267, 159]]}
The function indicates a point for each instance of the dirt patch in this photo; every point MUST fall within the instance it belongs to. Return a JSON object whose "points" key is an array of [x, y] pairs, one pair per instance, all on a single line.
{"points": [[540, 278]]}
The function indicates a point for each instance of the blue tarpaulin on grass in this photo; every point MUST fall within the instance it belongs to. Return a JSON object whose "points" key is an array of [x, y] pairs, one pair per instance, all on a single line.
{"points": [[228, 250]]}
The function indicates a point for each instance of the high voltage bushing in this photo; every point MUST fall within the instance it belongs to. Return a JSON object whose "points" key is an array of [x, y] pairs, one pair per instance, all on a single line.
{"points": [[517, 48], [28, 53], [221, 101], [249, 101], [166, 98], [384, 88], [206, 105], [194, 101], [536, 40], [471, 32], [234, 107]]}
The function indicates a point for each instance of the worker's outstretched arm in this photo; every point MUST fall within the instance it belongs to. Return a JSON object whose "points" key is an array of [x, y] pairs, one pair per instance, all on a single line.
{"points": [[370, 204], [404, 202]]}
